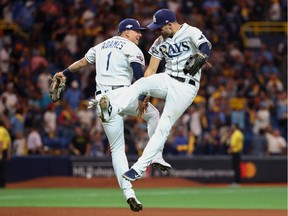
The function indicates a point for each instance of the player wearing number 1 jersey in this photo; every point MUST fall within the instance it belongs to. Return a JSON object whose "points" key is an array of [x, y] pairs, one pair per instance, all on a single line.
{"points": [[117, 60]]}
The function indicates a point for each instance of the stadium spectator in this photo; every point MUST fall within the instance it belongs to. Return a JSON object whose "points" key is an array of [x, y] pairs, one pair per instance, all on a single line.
{"points": [[71, 41], [66, 125], [34, 142], [212, 7], [8, 13], [80, 144], [259, 144], [85, 117], [141, 138], [236, 144], [262, 118], [212, 144], [97, 145], [180, 142], [73, 95], [277, 145], [9, 98], [282, 112], [50, 121], [17, 122], [5, 152], [275, 10], [43, 81], [192, 121], [5, 59], [25, 17], [19, 145]]}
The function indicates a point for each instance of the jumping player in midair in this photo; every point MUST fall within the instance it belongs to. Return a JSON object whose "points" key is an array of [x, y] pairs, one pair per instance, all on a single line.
{"points": [[117, 59]]}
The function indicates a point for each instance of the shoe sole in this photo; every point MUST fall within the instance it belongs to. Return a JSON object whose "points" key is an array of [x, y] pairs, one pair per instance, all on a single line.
{"points": [[161, 166], [134, 206], [104, 104]]}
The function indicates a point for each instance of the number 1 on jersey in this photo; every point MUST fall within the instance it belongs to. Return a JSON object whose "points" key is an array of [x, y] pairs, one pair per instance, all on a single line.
{"points": [[108, 60]]}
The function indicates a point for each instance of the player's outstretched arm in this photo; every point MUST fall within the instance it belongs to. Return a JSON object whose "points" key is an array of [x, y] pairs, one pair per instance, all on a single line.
{"points": [[58, 81], [74, 67]]}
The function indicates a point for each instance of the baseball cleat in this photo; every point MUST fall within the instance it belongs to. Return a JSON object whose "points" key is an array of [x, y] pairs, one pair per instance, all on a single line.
{"points": [[105, 108], [134, 204], [161, 164], [131, 175]]}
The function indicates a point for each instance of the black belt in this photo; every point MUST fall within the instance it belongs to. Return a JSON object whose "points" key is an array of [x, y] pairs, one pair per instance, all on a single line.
{"points": [[180, 79], [113, 88]]}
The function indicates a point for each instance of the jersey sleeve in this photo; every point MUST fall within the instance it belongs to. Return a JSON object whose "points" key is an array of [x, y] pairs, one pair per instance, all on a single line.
{"points": [[199, 38], [155, 48], [90, 56], [134, 54]]}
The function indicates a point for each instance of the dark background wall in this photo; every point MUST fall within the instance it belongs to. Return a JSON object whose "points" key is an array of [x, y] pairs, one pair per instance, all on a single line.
{"points": [[203, 169]]}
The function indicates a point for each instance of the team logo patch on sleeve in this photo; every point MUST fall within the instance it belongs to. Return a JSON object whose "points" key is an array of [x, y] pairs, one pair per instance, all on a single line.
{"points": [[140, 58], [155, 51]]}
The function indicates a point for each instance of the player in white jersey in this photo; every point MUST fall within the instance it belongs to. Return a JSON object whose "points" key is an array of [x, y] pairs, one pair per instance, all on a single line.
{"points": [[117, 59], [176, 43]]}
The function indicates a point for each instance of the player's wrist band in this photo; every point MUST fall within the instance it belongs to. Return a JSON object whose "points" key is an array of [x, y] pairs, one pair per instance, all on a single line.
{"points": [[66, 72]]}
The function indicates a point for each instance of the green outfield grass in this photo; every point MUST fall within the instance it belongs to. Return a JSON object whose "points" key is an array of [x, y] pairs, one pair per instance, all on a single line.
{"points": [[224, 198]]}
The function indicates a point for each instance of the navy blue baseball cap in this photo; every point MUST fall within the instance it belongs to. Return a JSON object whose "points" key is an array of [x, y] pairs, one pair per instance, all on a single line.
{"points": [[129, 24], [161, 18]]}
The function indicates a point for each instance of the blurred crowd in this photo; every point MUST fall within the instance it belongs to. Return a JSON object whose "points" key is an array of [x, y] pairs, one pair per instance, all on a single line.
{"points": [[245, 86]]}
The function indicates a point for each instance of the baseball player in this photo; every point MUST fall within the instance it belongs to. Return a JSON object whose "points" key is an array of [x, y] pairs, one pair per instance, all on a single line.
{"points": [[117, 59], [176, 44]]}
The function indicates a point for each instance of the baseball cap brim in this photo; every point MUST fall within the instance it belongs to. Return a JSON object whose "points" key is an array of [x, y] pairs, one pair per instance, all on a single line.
{"points": [[139, 28], [154, 26], [135, 29]]}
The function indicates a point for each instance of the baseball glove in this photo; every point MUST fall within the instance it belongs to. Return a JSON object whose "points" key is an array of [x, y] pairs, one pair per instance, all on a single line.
{"points": [[194, 63], [57, 87]]}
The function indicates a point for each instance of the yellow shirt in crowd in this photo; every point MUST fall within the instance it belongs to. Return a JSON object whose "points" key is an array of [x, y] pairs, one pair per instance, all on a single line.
{"points": [[5, 138], [237, 141]]}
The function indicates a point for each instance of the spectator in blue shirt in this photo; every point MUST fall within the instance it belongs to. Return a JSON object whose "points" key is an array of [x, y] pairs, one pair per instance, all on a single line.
{"points": [[73, 95]]}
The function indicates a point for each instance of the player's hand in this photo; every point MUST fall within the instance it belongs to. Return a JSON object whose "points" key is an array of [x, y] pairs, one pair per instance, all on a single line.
{"points": [[60, 75], [142, 106]]}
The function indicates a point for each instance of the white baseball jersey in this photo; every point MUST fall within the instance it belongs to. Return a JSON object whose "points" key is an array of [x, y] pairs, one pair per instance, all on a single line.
{"points": [[176, 50], [112, 59]]}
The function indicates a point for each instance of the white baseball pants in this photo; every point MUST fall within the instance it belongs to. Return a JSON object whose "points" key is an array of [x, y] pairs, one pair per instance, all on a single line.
{"points": [[179, 96]]}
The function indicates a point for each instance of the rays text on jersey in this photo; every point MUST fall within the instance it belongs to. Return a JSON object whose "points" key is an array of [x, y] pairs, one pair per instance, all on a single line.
{"points": [[172, 50]]}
